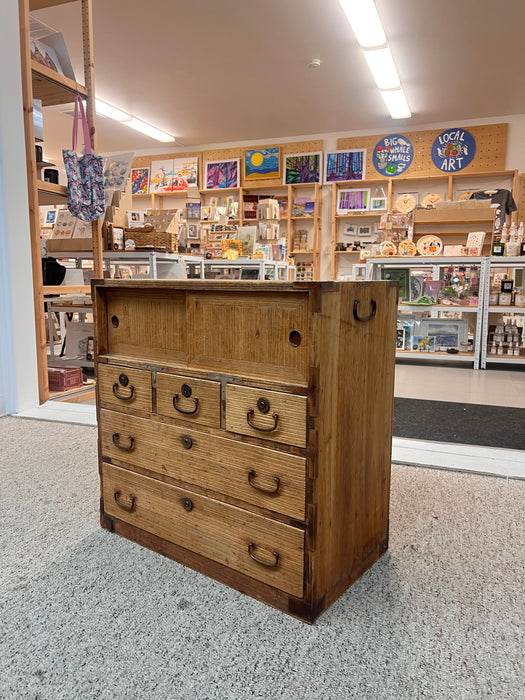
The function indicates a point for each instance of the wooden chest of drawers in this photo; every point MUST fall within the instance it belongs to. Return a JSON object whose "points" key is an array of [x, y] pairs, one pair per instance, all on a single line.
{"points": [[245, 429]]}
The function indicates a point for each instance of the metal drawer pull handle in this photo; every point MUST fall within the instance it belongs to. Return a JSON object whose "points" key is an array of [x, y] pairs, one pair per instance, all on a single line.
{"points": [[125, 506], [127, 448], [252, 475], [364, 319], [187, 442], [181, 410], [120, 396], [275, 417], [269, 564]]}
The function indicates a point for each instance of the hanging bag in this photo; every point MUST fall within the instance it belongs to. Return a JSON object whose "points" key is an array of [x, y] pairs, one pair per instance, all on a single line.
{"points": [[85, 174]]}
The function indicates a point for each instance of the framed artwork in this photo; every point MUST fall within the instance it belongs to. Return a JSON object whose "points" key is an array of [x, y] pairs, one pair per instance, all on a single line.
{"points": [[222, 174], [350, 230], [51, 215], [423, 343], [116, 170], [401, 275], [366, 230], [302, 168], [400, 339], [262, 163], [378, 204], [174, 175], [352, 200], [193, 230], [139, 180], [341, 166], [448, 333]]}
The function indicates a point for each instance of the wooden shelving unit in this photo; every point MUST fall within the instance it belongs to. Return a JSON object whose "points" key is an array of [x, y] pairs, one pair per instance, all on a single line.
{"points": [[455, 229], [39, 82]]}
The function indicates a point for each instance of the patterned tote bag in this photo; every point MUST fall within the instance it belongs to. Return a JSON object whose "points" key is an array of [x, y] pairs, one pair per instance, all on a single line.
{"points": [[85, 178]]}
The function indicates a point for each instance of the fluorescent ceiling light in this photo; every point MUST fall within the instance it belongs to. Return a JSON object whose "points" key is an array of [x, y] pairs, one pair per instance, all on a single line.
{"points": [[365, 22], [128, 120], [112, 112], [382, 66], [396, 102], [149, 130]]}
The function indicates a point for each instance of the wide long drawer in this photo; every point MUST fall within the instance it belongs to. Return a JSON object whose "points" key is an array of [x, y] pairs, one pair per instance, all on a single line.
{"points": [[256, 475], [251, 544]]}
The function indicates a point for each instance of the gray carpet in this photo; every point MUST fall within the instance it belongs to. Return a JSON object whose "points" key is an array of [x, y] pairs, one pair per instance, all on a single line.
{"points": [[86, 614]]}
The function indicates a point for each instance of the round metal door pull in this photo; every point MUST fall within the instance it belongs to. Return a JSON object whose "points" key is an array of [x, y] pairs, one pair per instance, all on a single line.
{"points": [[186, 390], [187, 442], [263, 405], [188, 504]]}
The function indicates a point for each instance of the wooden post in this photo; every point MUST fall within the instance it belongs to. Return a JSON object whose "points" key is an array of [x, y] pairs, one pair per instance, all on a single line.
{"points": [[34, 212], [89, 78], [334, 230]]}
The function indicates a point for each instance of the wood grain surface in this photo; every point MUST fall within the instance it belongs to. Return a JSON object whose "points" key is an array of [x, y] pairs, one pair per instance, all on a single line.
{"points": [[138, 387], [218, 531]]}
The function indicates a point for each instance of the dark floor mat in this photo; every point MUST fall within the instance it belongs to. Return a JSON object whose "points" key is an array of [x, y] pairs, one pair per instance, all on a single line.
{"points": [[469, 424]]}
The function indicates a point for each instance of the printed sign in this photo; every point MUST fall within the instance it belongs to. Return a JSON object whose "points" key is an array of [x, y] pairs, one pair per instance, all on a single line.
{"points": [[392, 155], [453, 150]]}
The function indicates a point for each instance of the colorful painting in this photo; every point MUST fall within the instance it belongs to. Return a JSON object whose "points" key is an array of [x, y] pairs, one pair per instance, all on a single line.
{"points": [[302, 168], [453, 150], [262, 163], [193, 231], [174, 175], [393, 155], [139, 180], [352, 200], [341, 166], [222, 174]]}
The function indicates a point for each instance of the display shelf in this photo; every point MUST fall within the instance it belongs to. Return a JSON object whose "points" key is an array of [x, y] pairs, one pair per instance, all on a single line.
{"points": [[366, 215], [52, 87], [347, 252], [501, 359], [208, 221], [440, 307], [301, 252], [302, 218], [44, 164], [446, 356], [506, 309], [220, 190], [49, 193], [43, 4]]}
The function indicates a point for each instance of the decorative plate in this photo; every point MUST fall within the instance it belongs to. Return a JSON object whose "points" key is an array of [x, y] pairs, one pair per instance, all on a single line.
{"points": [[431, 199], [407, 248], [429, 245], [387, 248], [405, 203]]}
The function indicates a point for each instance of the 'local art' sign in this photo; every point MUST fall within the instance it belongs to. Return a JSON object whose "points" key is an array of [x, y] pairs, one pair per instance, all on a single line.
{"points": [[392, 155], [453, 150]]}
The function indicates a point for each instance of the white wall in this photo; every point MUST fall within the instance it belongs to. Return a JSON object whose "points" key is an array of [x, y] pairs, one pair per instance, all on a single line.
{"points": [[18, 371]]}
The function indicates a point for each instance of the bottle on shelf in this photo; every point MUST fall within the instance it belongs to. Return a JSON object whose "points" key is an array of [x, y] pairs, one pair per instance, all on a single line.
{"points": [[512, 246], [521, 237], [498, 245]]}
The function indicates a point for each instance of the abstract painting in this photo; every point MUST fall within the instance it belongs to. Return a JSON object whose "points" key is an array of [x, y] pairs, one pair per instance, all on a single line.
{"points": [[262, 163], [342, 166], [139, 180], [222, 174], [174, 175], [302, 168]]}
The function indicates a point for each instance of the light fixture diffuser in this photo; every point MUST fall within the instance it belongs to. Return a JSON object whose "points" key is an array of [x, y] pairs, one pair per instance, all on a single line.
{"points": [[396, 103], [148, 130], [365, 22], [112, 112], [382, 67]]}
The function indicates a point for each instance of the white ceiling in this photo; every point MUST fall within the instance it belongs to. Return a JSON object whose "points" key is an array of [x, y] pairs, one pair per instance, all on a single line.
{"points": [[212, 71]]}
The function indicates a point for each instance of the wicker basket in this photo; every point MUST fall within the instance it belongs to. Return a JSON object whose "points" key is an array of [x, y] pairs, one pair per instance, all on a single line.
{"points": [[160, 241]]}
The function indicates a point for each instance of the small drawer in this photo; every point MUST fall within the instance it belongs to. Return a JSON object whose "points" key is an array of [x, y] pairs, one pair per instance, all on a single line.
{"points": [[273, 415], [197, 400], [121, 386], [264, 549], [253, 474]]}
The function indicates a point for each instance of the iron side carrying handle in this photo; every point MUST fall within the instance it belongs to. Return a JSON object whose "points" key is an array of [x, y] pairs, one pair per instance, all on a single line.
{"points": [[126, 448], [275, 417], [125, 506], [263, 562], [364, 319], [182, 410], [122, 397]]}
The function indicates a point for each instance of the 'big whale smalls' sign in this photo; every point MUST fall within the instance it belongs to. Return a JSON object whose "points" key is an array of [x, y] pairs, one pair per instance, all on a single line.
{"points": [[392, 155], [453, 150]]}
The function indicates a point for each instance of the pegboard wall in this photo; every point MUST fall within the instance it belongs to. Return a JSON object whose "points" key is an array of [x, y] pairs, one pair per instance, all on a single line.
{"points": [[145, 161], [286, 148], [491, 149], [521, 199]]}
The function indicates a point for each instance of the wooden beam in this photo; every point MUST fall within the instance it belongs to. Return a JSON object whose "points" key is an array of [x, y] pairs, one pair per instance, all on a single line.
{"points": [[34, 213], [89, 79]]}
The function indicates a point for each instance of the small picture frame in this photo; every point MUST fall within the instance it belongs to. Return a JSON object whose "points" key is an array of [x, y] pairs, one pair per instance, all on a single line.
{"points": [[352, 200], [378, 204], [400, 339], [351, 230], [507, 286], [366, 230], [423, 343], [51, 215], [192, 231]]}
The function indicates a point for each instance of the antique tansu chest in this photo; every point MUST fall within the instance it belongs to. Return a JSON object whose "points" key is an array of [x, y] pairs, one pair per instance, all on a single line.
{"points": [[245, 429]]}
